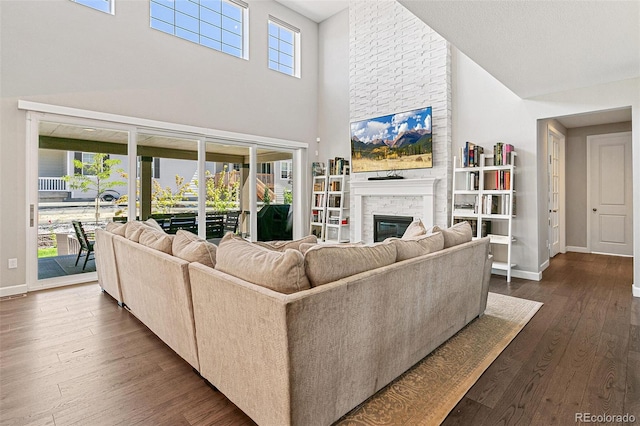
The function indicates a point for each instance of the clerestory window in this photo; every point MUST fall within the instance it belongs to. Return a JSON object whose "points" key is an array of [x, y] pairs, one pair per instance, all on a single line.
{"points": [[101, 5], [284, 47], [217, 24]]}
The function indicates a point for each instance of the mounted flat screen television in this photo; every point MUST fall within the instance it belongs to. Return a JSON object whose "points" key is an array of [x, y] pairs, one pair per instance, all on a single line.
{"points": [[393, 142]]}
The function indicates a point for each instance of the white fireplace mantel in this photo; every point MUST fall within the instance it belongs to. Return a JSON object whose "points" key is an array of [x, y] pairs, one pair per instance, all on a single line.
{"points": [[424, 188]]}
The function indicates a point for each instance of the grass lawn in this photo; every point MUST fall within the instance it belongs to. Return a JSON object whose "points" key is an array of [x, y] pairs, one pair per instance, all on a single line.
{"points": [[47, 252]]}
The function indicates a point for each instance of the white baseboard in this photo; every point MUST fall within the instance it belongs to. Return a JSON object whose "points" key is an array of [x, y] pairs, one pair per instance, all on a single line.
{"points": [[13, 290], [636, 291], [578, 249], [544, 265], [525, 275]]}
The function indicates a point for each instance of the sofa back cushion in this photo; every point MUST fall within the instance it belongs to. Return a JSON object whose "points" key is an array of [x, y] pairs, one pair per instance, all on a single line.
{"points": [[279, 271], [283, 245], [158, 240], [415, 229], [418, 246], [328, 263], [188, 246], [458, 234]]}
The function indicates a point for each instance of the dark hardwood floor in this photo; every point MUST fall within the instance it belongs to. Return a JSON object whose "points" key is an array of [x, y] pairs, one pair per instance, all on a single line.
{"points": [[579, 354], [72, 356]]}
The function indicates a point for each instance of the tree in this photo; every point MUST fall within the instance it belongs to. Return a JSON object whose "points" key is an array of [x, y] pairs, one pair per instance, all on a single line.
{"points": [[222, 190], [287, 195], [165, 198], [95, 175]]}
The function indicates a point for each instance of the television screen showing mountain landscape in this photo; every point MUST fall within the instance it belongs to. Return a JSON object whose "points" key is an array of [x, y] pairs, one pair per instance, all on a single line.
{"points": [[393, 142]]}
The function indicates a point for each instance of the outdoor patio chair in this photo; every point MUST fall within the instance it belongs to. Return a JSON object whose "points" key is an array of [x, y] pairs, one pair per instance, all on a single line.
{"points": [[231, 222], [85, 244]]}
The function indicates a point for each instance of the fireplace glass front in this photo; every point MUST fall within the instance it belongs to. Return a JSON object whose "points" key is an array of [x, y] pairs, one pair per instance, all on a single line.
{"points": [[389, 226]]}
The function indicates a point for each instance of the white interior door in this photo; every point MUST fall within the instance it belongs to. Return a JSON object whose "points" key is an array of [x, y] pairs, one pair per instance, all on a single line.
{"points": [[610, 193], [556, 192]]}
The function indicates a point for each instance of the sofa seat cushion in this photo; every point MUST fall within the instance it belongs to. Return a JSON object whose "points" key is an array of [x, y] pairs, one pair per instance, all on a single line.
{"points": [[279, 271], [329, 263], [188, 246], [417, 246], [158, 240], [415, 229], [458, 234], [283, 245]]}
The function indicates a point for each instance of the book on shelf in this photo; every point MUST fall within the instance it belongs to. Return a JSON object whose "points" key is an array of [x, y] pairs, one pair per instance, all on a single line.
{"points": [[502, 154], [338, 166], [497, 180], [318, 186], [335, 185], [470, 154], [334, 201], [317, 168], [473, 181]]}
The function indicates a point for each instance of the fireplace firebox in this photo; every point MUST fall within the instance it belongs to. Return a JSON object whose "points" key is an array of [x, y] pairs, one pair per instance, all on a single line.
{"points": [[389, 226]]}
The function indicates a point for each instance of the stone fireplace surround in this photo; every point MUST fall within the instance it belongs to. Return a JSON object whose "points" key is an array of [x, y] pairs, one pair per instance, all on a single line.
{"points": [[404, 197]]}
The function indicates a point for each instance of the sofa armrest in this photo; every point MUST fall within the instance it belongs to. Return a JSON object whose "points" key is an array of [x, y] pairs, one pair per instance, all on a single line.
{"points": [[485, 283], [242, 342]]}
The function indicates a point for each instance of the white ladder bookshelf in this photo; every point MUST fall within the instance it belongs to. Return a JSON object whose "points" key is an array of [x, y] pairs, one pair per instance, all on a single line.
{"points": [[484, 195], [337, 216]]}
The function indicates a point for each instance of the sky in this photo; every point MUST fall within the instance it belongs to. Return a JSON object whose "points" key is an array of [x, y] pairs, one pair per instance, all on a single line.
{"points": [[389, 127]]}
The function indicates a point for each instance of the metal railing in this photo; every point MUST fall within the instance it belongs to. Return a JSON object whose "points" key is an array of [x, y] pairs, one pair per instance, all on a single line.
{"points": [[52, 184]]}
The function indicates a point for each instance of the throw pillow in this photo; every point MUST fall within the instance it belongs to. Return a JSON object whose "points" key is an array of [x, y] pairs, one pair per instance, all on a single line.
{"points": [[133, 230], [279, 271], [283, 245], [158, 240], [113, 226], [457, 234], [419, 246], [153, 224], [188, 246], [415, 229], [329, 263]]}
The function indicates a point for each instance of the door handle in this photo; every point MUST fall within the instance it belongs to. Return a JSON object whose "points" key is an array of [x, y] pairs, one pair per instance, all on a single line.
{"points": [[595, 210]]}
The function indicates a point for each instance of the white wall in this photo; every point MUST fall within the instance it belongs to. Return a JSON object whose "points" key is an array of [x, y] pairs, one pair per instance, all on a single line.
{"points": [[333, 89], [397, 63], [62, 53], [486, 111]]}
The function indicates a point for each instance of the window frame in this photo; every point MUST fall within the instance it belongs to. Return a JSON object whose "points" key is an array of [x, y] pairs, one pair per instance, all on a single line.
{"points": [[206, 27], [286, 166], [111, 5], [296, 48]]}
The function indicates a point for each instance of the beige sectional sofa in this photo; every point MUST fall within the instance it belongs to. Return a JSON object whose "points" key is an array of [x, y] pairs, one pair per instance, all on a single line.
{"points": [[296, 333], [309, 357], [137, 266]]}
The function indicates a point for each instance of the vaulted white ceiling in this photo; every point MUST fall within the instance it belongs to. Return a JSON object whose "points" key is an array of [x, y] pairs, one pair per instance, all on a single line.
{"points": [[540, 47], [532, 47]]}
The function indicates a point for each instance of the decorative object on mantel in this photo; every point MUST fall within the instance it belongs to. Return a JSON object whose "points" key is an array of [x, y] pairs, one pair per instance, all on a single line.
{"points": [[390, 177], [392, 174], [392, 142]]}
